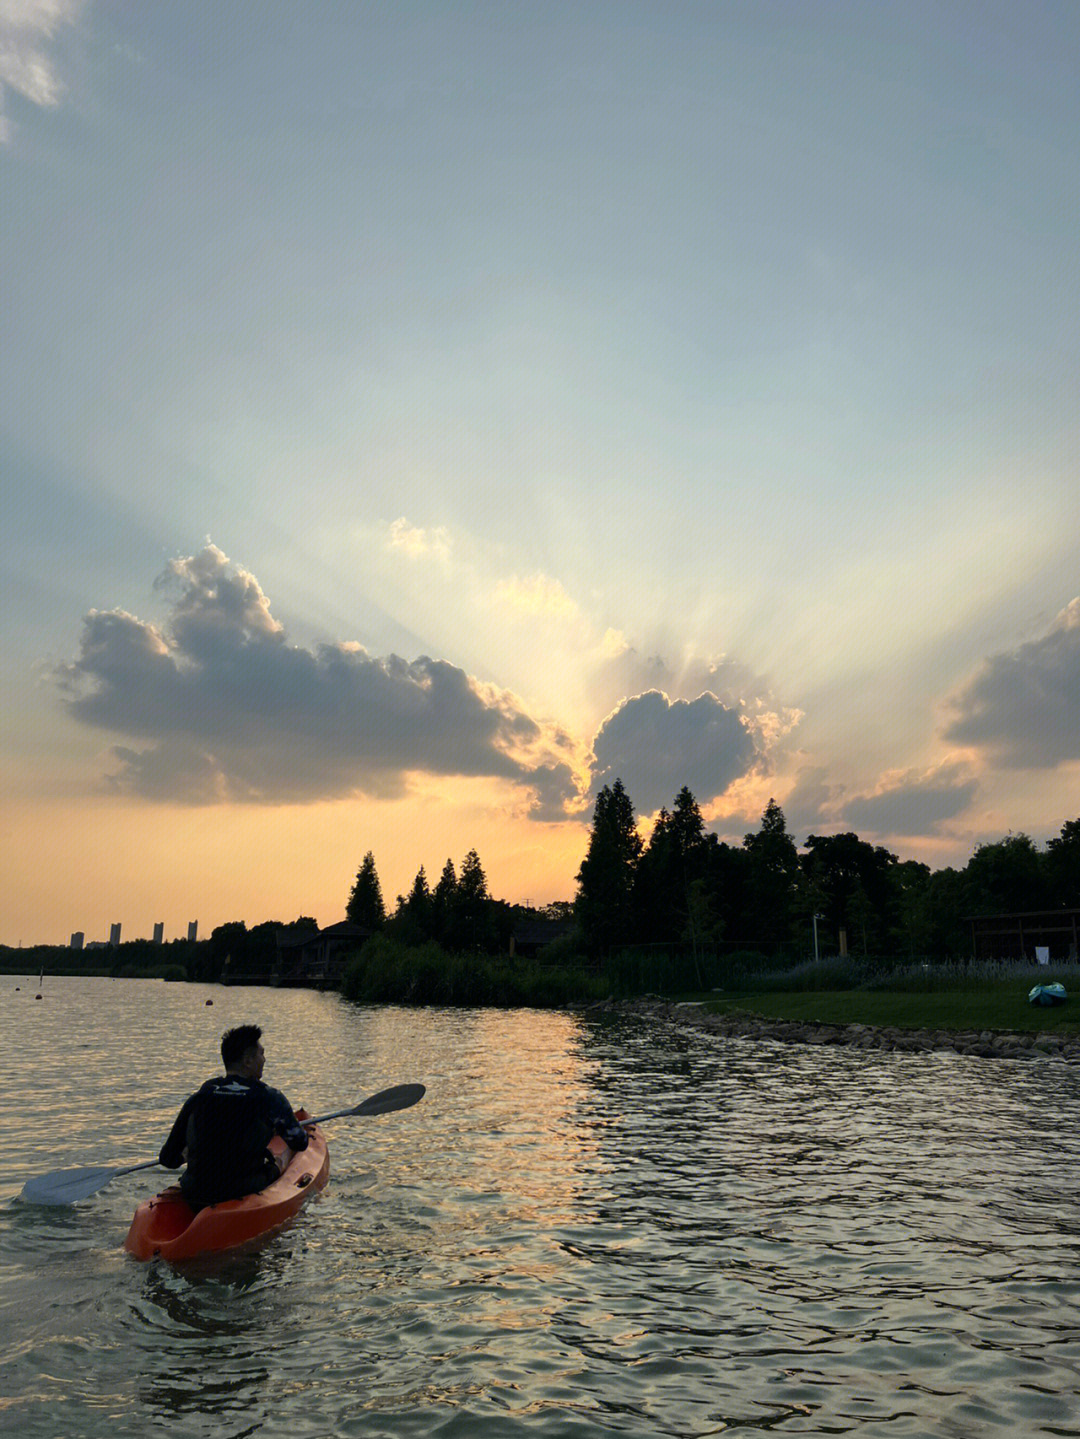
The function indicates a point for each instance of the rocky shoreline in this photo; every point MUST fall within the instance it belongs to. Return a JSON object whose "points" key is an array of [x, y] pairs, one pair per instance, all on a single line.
{"points": [[986, 1044]]}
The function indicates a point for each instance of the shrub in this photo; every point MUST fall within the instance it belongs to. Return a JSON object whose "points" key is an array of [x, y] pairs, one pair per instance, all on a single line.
{"points": [[171, 972], [567, 951], [385, 971]]}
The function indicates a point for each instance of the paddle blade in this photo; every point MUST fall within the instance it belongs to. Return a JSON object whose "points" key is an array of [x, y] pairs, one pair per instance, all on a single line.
{"points": [[402, 1096], [65, 1186]]}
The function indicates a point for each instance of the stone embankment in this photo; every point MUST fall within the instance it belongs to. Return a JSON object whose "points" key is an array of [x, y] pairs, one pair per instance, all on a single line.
{"points": [[987, 1044]]}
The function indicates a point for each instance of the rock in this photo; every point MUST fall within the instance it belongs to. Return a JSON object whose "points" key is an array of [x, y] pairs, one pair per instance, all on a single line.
{"points": [[988, 1044]]}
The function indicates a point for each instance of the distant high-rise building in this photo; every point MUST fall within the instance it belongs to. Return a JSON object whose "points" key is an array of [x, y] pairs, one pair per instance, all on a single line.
{"points": [[193, 931], [114, 937], [77, 939], [159, 932]]}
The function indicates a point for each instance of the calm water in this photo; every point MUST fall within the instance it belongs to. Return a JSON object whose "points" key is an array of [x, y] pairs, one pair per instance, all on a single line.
{"points": [[586, 1228]]}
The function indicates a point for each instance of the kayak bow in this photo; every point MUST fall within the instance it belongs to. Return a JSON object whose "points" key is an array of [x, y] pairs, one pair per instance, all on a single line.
{"points": [[165, 1227]]}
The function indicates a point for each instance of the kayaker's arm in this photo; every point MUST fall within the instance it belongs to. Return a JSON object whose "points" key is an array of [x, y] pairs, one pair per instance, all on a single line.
{"points": [[174, 1150], [285, 1121]]}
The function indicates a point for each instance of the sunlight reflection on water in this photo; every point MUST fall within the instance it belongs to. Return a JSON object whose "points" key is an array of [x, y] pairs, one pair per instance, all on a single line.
{"points": [[586, 1227]]}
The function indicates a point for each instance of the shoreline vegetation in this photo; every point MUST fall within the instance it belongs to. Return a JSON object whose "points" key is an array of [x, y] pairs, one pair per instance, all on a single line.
{"points": [[967, 1008], [652, 929]]}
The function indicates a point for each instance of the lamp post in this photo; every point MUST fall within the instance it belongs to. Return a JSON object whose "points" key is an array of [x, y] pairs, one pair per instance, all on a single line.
{"points": [[816, 918]]}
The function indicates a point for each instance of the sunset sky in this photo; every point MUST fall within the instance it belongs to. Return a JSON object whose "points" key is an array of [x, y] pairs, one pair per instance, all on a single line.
{"points": [[415, 415]]}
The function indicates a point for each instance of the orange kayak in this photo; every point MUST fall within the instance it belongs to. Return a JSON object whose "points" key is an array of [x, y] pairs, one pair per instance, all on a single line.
{"points": [[165, 1227]]}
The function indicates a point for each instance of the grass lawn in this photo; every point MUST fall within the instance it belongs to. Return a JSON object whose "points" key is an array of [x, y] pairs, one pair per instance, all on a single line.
{"points": [[994, 1004]]}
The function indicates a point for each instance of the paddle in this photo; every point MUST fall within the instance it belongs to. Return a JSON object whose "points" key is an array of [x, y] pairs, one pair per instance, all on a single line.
{"points": [[67, 1186], [402, 1096]]}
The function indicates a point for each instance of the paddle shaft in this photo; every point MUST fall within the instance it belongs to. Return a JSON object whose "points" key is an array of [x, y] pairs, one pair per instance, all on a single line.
{"points": [[131, 1168]]}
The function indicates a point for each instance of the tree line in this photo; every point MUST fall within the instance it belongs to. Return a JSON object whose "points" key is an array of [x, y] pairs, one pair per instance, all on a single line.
{"points": [[684, 888], [687, 887], [459, 914]]}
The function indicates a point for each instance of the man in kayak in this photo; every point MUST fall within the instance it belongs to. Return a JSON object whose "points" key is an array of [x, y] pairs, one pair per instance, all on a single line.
{"points": [[224, 1128]]}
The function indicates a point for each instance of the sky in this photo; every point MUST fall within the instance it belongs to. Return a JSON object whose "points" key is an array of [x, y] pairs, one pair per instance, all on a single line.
{"points": [[414, 417]]}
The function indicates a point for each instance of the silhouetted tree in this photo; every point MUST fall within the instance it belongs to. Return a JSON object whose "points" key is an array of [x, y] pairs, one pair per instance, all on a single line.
{"points": [[773, 879], [559, 909], [604, 904], [687, 826], [946, 908], [411, 921], [1063, 867], [655, 920], [729, 881], [473, 921], [442, 905], [365, 904], [700, 922], [1006, 877], [673, 901], [853, 880], [914, 933], [229, 949]]}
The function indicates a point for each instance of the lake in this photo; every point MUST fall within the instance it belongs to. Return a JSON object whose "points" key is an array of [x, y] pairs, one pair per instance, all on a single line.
{"points": [[589, 1226]]}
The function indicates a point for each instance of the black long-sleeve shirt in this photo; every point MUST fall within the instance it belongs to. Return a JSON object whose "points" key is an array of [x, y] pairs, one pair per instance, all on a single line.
{"points": [[225, 1127]]}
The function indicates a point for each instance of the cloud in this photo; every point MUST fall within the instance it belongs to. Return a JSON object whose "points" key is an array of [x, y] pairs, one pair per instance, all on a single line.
{"points": [[417, 542], [807, 804], [617, 668], [1023, 708], [537, 595], [613, 645], [222, 707], [656, 745], [909, 803], [27, 68]]}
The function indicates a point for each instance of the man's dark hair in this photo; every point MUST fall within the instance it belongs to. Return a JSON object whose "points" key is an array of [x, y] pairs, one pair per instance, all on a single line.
{"points": [[235, 1043]]}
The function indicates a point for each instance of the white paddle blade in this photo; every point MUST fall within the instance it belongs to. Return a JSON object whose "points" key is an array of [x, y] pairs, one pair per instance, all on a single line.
{"points": [[65, 1186]]}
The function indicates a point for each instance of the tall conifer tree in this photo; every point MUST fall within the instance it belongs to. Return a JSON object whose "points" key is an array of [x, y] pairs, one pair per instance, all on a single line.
{"points": [[604, 904], [442, 904], [365, 904], [473, 922], [774, 879]]}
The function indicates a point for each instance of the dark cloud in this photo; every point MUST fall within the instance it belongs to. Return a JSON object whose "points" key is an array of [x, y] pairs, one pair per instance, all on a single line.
{"points": [[1023, 708], [807, 804], [911, 803], [656, 745], [222, 707]]}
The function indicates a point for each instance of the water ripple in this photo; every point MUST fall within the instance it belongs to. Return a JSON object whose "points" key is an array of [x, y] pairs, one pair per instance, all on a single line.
{"points": [[586, 1228]]}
